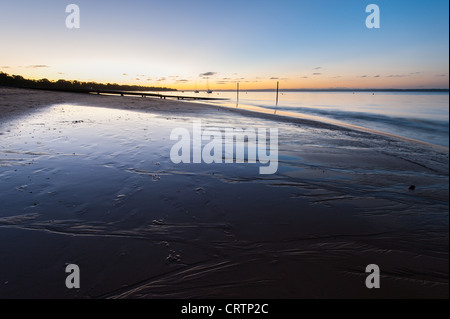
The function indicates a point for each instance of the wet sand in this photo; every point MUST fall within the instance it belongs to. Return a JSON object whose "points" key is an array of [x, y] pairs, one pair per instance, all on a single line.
{"points": [[88, 180]]}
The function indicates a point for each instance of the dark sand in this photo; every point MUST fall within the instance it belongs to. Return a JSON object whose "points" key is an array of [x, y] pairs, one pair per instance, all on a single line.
{"points": [[88, 180]]}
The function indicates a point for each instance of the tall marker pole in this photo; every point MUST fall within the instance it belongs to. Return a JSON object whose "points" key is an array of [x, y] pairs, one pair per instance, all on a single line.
{"points": [[278, 90]]}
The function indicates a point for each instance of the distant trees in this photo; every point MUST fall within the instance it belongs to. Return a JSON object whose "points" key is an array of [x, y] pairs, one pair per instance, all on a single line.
{"points": [[21, 82]]}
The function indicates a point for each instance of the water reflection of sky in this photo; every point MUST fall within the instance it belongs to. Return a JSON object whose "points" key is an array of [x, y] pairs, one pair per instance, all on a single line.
{"points": [[418, 115]]}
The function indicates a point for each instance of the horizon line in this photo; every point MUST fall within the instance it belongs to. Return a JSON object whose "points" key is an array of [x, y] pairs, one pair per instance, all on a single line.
{"points": [[338, 89]]}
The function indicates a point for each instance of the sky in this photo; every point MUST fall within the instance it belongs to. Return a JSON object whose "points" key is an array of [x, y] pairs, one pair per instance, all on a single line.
{"points": [[180, 43]]}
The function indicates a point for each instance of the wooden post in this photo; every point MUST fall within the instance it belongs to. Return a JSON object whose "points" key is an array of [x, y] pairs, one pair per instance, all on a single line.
{"points": [[237, 93], [278, 90]]}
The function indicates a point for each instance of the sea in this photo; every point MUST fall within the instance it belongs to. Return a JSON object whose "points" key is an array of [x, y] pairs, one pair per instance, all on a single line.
{"points": [[423, 115]]}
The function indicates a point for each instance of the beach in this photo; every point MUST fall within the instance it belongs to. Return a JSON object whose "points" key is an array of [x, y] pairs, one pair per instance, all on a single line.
{"points": [[88, 180]]}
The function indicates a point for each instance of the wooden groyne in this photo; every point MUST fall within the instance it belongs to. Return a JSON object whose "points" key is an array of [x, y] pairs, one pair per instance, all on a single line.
{"points": [[130, 93], [156, 95]]}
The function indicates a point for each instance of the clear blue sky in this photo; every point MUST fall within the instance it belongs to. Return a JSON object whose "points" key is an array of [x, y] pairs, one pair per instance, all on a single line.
{"points": [[322, 43]]}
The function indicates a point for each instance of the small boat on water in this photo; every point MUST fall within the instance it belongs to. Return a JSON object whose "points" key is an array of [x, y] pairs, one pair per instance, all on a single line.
{"points": [[196, 89], [208, 90]]}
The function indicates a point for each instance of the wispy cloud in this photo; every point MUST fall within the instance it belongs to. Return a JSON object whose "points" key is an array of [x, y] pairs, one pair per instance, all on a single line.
{"points": [[60, 73], [396, 76], [304, 77], [124, 74], [5, 67], [161, 79], [363, 76], [37, 66], [441, 75], [274, 78], [317, 73], [206, 74], [149, 79], [182, 80], [377, 76], [318, 68], [337, 76]]}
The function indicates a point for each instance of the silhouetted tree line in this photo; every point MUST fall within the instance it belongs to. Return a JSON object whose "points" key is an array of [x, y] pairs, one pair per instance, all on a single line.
{"points": [[21, 82]]}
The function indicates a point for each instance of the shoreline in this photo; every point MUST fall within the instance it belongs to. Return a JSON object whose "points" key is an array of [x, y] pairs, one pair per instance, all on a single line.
{"points": [[241, 109], [321, 122]]}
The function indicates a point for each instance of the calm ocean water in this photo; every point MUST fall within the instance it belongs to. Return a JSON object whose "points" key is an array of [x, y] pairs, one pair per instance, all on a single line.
{"points": [[419, 115]]}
